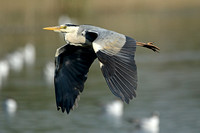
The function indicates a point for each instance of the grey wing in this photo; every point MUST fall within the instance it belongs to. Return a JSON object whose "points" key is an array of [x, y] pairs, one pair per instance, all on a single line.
{"points": [[116, 56], [72, 66]]}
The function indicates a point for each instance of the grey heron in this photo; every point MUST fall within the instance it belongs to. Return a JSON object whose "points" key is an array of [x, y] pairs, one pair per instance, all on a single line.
{"points": [[85, 43]]}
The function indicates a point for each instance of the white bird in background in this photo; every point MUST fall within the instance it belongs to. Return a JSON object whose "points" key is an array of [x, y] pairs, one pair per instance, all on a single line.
{"points": [[16, 60], [4, 71], [29, 54], [114, 108], [49, 73], [10, 106], [66, 19], [150, 124], [22, 56]]}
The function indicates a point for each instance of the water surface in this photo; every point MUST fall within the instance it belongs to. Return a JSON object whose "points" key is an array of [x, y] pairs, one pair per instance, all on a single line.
{"points": [[168, 81]]}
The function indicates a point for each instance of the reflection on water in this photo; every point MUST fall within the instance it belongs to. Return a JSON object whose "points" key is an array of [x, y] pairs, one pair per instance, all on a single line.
{"points": [[168, 81]]}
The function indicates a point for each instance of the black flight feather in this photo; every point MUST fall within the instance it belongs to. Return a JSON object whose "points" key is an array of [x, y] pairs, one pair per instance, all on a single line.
{"points": [[72, 66]]}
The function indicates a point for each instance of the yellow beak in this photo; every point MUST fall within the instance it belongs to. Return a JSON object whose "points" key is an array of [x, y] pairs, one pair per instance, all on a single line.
{"points": [[54, 28]]}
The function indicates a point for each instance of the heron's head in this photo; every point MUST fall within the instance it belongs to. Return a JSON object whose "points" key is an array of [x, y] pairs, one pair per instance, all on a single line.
{"points": [[71, 33], [65, 28]]}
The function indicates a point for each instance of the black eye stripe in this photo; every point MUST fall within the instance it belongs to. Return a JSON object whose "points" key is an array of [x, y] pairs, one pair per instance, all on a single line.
{"points": [[71, 25]]}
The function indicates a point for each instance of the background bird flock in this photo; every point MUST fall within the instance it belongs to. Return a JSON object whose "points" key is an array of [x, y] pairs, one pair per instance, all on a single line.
{"points": [[14, 62]]}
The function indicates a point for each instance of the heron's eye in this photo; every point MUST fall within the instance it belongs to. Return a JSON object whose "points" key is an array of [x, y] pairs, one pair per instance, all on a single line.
{"points": [[63, 26]]}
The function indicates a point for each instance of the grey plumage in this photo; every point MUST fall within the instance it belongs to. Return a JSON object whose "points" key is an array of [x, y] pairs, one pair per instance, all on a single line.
{"points": [[85, 43], [120, 70]]}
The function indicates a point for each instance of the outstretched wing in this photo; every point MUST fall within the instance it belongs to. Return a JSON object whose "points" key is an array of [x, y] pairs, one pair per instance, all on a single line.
{"points": [[116, 55], [72, 65]]}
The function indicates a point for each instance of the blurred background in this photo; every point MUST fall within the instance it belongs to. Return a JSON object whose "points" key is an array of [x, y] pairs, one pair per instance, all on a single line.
{"points": [[168, 81]]}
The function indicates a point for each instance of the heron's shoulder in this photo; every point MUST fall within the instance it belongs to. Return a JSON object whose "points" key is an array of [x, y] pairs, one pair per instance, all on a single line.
{"points": [[105, 35]]}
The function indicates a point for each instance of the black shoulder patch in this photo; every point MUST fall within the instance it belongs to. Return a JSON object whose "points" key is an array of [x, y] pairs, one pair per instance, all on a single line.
{"points": [[91, 36]]}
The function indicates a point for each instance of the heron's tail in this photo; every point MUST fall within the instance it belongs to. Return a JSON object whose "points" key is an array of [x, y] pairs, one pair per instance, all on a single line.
{"points": [[148, 45]]}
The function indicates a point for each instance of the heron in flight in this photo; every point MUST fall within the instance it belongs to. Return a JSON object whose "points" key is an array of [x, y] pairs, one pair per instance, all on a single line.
{"points": [[114, 51]]}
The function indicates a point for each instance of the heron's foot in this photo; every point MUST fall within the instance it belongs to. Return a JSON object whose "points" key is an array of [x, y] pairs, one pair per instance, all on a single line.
{"points": [[149, 45]]}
